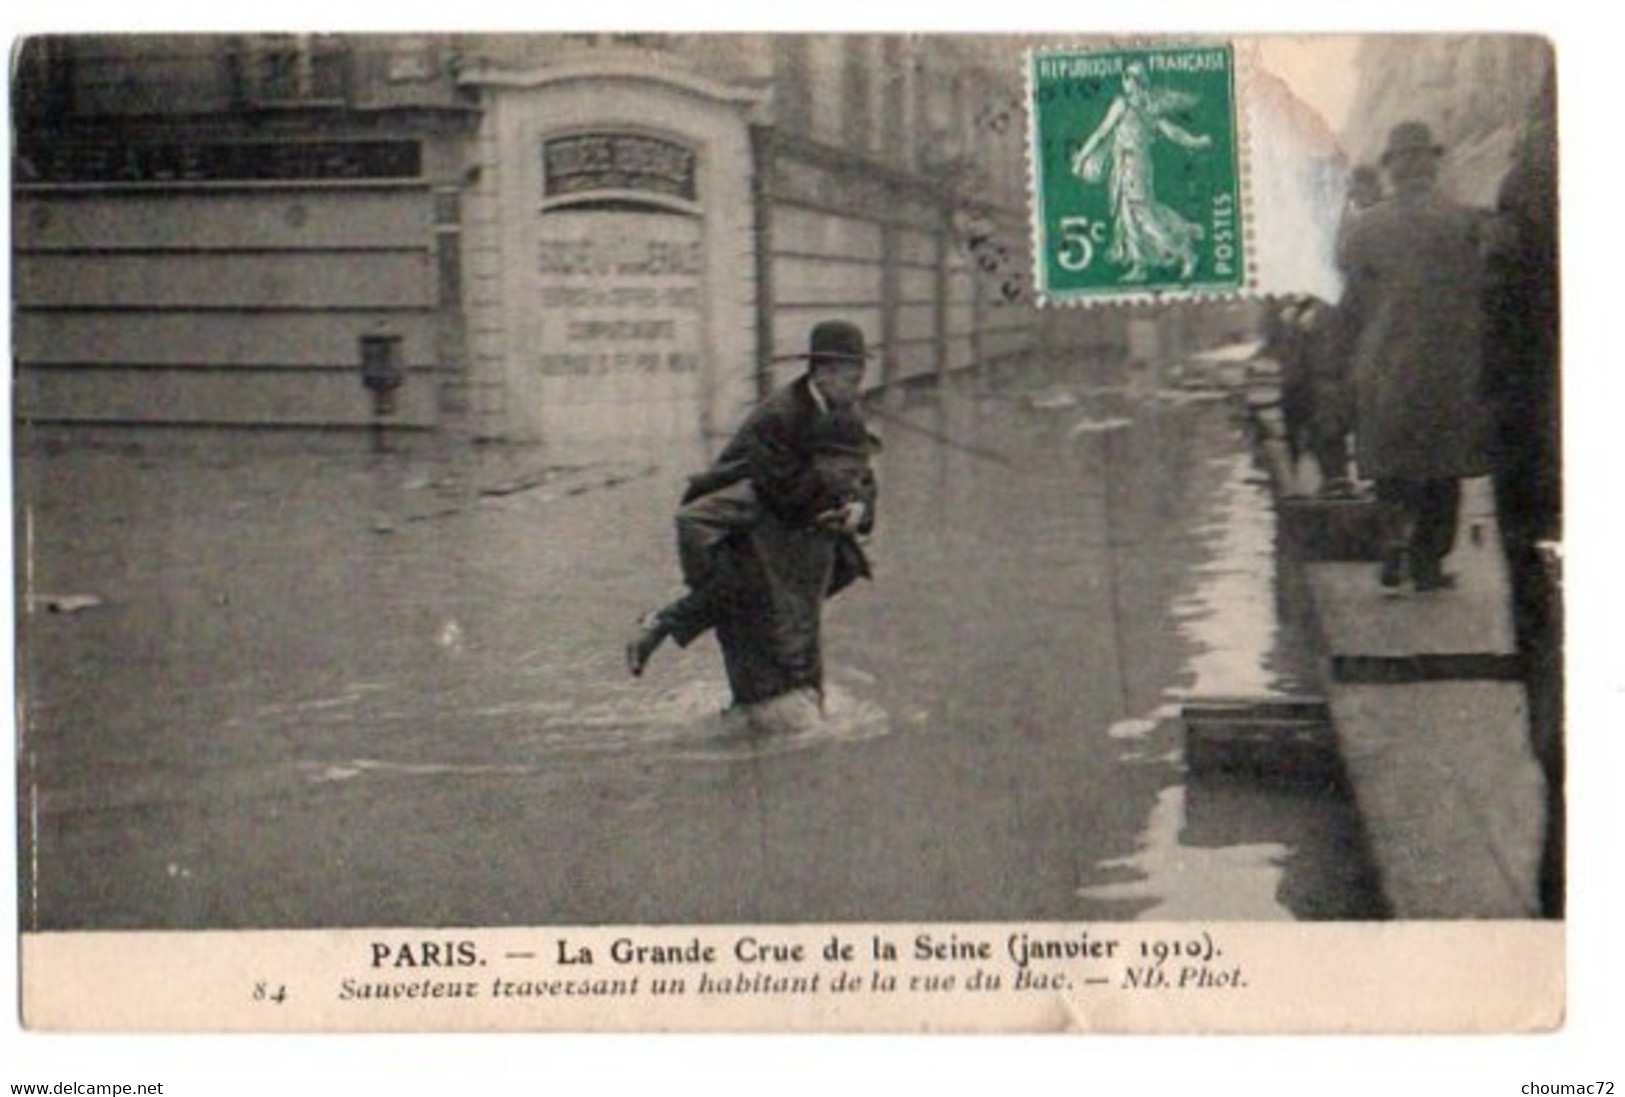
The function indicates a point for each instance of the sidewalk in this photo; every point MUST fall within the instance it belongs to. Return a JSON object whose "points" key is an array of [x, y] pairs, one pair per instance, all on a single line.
{"points": [[1430, 718]]}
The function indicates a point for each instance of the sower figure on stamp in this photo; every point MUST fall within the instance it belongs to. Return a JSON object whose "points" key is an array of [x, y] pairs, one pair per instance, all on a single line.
{"points": [[770, 531], [1414, 270], [1145, 232]]}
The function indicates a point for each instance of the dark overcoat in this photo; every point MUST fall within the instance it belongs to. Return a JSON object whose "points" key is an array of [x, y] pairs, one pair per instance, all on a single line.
{"points": [[1415, 287], [803, 461]]}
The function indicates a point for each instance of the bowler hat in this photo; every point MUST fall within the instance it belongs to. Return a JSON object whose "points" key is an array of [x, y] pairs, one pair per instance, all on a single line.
{"points": [[836, 340], [1411, 137]]}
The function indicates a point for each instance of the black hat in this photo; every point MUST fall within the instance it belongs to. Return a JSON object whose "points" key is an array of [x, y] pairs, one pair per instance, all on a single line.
{"points": [[1411, 137], [836, 340]]}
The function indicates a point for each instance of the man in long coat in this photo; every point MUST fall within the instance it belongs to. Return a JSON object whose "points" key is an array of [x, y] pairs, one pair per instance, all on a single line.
{"points": [[769, 531], [1414, 269]]}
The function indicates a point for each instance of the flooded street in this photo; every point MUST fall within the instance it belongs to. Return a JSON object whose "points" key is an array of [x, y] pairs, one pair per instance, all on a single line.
{"points": [[329, 689]]}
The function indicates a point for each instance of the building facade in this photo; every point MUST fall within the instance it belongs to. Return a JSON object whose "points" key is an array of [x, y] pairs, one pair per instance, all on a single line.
{"points": [[595, 241], [214, 230]]}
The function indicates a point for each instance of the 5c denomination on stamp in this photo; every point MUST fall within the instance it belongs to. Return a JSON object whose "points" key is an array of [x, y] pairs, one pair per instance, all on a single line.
{"points": [[1136, 172]]}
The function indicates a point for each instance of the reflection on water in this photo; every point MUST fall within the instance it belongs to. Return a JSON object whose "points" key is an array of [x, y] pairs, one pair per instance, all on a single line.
{"points": [[692, 720], [1173, 881], [689, 723], [1229, 616], [1217, 847], [843, 718], [1119, 559], [1053, 576]]}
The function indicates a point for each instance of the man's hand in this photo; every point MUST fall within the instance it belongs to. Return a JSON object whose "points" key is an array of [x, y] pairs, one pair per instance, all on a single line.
{"points": [[847, 519]]}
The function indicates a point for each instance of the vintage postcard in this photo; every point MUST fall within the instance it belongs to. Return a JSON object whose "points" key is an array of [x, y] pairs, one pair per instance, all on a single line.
{"points": [[646, 532]]}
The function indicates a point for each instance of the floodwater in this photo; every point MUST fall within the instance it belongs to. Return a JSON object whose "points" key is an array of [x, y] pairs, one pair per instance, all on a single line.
{"points": [[1122, 561], [321, 689]]}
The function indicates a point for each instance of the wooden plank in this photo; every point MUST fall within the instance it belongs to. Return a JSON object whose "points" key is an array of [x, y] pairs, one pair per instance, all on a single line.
{"points": [[314, 280], [1290, 751], [1331, 529], [1357, 620], [1432, 667], [1451, 794], [1273, 707], [180, 338], [283, 220]]}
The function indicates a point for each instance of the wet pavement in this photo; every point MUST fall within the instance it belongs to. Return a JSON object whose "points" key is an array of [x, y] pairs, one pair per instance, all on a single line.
{"points": [[319, 687]]}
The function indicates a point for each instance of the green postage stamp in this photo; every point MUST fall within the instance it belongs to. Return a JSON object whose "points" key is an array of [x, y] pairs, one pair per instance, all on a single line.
{"points": [[1136, 172]]}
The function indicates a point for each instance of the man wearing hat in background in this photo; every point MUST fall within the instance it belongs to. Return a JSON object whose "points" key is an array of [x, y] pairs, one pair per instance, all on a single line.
{"points": [[1364, 191], [769, 530], [1329, 345], [1414, 275]]}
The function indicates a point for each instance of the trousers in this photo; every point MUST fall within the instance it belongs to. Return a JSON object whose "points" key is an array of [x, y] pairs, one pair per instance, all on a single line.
{"points": [[1422, 516], [703, 525]]}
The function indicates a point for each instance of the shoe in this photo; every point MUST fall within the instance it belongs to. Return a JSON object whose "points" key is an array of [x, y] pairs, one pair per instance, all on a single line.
{"points": [[651, 634]]}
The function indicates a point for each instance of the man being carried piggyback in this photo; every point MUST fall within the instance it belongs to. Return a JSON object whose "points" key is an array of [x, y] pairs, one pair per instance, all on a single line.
{"points": [[770, 529]]}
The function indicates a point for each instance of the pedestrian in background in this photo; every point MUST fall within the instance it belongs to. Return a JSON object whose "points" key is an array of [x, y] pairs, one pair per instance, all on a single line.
{"points": [[1364, 191], [1414, 270], [1331, 342], [1324, 352], [1284, 345]]}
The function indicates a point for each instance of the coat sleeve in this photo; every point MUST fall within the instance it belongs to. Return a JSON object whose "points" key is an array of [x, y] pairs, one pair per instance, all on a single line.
{"points": [[781, 466], [1355, 259], [869, 495]]}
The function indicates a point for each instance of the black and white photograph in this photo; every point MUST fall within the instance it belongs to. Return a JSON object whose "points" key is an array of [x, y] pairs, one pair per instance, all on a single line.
{"points": [[608, 530]]}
